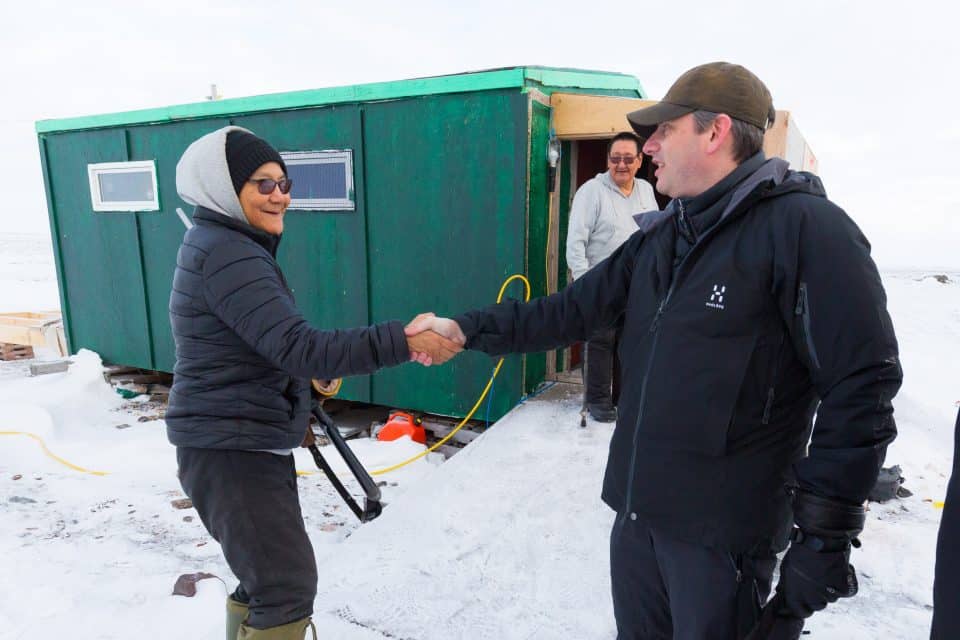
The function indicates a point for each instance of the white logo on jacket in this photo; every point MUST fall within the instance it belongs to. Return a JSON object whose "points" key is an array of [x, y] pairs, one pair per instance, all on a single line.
{"points": [[716, 298]]}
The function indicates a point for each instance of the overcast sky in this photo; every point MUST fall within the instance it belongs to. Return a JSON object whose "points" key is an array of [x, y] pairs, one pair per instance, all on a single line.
{"points": [[872, 85]]}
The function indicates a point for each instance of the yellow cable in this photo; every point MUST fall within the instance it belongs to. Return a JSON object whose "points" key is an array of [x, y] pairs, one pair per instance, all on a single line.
{"points": [[51, 454], [496, 370], [483, 395]]}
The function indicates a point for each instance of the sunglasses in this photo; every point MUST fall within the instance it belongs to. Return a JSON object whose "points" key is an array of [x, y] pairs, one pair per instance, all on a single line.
{"points": [[615, 160], [266, 185]]}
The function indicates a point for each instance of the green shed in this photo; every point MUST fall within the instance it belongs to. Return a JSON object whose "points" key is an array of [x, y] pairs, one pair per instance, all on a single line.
{"points": [[410, 196]]}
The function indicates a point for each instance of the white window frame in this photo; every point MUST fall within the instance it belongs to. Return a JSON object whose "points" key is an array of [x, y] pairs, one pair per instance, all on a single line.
{"points": [[330, 156], [94, 171]]}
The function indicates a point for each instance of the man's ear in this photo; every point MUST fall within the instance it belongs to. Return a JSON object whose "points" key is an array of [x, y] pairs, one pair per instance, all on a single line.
{"points": [[719, 131]]}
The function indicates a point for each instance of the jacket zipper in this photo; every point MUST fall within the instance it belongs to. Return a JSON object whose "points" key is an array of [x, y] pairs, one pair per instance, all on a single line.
{"points": [[772, 391], [654, 329], [803, 311]]}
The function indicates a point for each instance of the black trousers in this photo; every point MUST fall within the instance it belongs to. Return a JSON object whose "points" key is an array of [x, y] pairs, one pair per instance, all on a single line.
{"points": [[248, 502], [667, 589], [603, 368], [946, 581]]}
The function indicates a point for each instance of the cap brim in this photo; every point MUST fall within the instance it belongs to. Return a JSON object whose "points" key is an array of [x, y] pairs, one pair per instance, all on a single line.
{"points": [[644, 121]]}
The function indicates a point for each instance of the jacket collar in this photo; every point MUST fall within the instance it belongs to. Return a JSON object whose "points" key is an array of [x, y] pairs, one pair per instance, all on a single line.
{"points": [[757, 177], [209, 217]]}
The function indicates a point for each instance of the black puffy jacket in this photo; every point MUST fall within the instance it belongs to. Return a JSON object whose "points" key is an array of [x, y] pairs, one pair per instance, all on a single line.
{"points": [[946, 583], [725, 354], [245, 354]]}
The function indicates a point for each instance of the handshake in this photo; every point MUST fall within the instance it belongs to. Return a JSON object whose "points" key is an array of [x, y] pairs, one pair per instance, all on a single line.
{"points": [[433, 340]]}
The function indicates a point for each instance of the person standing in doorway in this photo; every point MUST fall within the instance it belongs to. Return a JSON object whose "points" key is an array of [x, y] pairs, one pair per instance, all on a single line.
{"points": [[601, 219]]}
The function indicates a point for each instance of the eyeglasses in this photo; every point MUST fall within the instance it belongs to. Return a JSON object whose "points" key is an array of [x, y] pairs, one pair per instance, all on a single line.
{"points": [[266, 185], [628, 160]]}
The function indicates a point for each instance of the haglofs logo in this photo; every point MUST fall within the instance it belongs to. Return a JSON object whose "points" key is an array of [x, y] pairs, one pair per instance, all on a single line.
{"points": [[716, 298]]}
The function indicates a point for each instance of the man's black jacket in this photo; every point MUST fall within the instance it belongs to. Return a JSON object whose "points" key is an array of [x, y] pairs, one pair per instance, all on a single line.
{"points": [[725, 355], [946, 583], [245, 354]]}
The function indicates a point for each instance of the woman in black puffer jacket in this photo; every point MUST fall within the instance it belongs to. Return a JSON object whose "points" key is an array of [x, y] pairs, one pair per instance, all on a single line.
{"points": [[240, 398]]}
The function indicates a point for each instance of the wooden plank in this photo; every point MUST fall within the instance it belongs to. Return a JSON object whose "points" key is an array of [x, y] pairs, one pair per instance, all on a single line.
{"points": [[15, 351], [34, 329], [580, 117], [464, 436], [140, 378], [784, 140]]}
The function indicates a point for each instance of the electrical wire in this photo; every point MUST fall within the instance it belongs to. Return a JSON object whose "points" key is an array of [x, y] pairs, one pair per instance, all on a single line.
{"points": [[486, 390]]}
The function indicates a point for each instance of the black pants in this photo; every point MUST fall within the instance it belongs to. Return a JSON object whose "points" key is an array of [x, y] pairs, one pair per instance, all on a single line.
{"points": [[666, 589], [248, 502], [603, 368], [946, 581]]}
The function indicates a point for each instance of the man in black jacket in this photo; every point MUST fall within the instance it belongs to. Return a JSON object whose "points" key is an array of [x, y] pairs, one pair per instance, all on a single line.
{"points": [[946, 583], [747, 306]]}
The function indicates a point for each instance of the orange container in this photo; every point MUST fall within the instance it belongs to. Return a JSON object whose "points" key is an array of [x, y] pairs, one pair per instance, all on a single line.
{"points": [[401, 424]]}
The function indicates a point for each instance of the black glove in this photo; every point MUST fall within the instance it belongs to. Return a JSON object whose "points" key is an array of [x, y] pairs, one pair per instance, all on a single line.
{"points": [[816, 569], [773, 626], [810, 580]]}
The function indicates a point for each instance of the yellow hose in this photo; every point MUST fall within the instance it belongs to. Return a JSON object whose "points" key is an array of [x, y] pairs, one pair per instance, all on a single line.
{"points": [[52, 454], [483, 395]]}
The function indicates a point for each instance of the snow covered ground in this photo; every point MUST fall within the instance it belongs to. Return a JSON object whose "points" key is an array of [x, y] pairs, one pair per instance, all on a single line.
{"points": [[506, 540]]}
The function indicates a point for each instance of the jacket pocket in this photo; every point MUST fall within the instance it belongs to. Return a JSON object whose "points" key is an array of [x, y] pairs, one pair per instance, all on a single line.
{"points": [[802, 313], [692, 391]]}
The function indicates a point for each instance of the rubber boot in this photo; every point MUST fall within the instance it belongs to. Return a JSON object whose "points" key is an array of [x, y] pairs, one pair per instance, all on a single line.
{"points": [[236, 614], [296, 630]]}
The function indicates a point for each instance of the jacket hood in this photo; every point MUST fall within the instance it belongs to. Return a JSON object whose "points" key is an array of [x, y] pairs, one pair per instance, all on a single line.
{"points": [[203, 177], [776, 175]]}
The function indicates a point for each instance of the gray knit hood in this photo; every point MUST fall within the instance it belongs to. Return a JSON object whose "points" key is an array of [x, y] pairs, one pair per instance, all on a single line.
{"points": [[203, 177]]}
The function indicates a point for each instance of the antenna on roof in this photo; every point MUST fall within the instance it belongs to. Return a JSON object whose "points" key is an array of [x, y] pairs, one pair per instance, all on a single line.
{"points": [[214, 93]]}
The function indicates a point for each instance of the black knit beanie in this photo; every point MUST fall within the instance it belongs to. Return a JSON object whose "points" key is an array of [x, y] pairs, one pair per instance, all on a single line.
{"points": [[245, 154]]}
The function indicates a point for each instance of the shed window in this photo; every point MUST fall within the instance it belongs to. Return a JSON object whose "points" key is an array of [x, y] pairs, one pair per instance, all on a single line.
{"points": [[322, 180], [124, 186]]}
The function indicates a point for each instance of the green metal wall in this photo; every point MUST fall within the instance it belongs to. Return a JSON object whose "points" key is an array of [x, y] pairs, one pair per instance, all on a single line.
{"points": [[447, 226], [441, 220]]}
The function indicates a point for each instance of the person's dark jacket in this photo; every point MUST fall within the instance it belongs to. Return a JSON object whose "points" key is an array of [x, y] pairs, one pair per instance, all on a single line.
{"points": [[725, 353], [946, 584], [245, 354]]}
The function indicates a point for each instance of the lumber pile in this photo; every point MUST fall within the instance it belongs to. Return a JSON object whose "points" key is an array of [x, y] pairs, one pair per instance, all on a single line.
{"points": [[10, 351]]}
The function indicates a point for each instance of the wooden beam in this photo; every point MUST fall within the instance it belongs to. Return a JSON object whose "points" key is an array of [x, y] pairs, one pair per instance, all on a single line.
{"points": [[43, 329], [582, 117], [784, 140]]}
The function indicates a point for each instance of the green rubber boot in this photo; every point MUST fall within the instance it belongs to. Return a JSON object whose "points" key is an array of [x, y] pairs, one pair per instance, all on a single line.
{"points": [[236, 615], [296, 630]]}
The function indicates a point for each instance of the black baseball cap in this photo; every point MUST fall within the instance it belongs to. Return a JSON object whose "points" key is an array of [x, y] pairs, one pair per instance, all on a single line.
{"points": [[720, 87]]}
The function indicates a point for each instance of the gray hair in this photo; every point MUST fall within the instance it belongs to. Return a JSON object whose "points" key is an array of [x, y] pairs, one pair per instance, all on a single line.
{"points": [[747, 138]]}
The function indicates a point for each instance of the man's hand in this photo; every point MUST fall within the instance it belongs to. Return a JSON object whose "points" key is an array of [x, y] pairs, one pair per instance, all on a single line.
{"points": [[816, 569], [433, 340], [810, 579]]}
